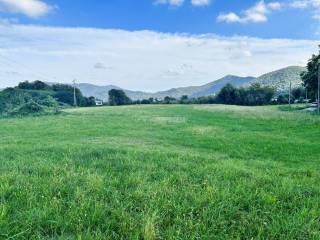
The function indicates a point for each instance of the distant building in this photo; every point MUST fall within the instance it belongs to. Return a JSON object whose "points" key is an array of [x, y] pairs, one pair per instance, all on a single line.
{"points": [[99, 102]]}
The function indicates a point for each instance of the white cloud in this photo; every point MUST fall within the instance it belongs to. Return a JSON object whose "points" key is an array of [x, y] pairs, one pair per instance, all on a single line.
{"points": [[229, 17], [30, 8], [305, 3], [274, 5], [152, 61], [299, 4], [200, 2], [101, 66], [256, 14], [313, 5], [176, 3]]}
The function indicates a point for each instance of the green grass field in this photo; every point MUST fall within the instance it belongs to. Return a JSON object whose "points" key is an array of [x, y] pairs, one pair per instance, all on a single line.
{"points": [[161, 172]]}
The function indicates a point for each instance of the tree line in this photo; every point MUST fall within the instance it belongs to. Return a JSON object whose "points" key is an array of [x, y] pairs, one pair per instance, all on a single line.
{"points": [[253, 95]]}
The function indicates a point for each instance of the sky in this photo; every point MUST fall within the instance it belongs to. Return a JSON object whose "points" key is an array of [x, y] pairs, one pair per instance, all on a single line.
{"points": [[153, 45]]}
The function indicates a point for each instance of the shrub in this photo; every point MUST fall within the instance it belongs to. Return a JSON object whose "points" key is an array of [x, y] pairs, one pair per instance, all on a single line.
{"points": [[29, 108]]}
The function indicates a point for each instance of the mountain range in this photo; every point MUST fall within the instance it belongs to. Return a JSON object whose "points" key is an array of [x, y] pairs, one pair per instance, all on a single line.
{"points": [[279, 79]]}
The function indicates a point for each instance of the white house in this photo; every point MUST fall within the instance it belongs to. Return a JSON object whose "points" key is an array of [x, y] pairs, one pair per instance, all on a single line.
{"points": [[99, 102]]}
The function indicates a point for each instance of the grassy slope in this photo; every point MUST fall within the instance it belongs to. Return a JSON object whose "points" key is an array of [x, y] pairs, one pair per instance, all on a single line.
{"points": [[170, 172]]}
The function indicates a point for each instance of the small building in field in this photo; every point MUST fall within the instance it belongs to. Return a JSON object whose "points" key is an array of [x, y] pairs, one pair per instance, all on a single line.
{"points": [[99, 102]]}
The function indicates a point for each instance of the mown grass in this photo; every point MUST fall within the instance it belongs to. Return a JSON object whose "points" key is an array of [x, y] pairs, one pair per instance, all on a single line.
{"points": [[161, 172]]}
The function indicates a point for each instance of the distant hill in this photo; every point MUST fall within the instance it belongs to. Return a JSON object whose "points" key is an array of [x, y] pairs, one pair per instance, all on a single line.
{"points": [[280, 79], [215, 87], [101, 92]]}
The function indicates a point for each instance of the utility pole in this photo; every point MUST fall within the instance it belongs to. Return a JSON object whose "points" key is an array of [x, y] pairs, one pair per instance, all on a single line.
{"points": [[318, 87], [74, 94], [290, 94]]}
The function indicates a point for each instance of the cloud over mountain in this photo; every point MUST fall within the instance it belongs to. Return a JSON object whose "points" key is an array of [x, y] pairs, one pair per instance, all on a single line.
{"points": [[152, 61]]}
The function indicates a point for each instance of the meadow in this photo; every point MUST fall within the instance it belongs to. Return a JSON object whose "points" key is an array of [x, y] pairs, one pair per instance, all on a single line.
{"points": [[161, 172]]}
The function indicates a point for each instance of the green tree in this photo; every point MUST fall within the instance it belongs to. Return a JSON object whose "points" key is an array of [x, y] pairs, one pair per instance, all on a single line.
{"points": [[228, 95], [257, 95], [299, 93], [169, 100], [36, 85], [118, 97], [184, 99], [251, 96], [310, 77], [65, 93], [145, 101]]}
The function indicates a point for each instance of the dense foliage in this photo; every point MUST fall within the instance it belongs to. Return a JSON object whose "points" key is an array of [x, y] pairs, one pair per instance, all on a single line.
{"points": [[39, 97], [310, 77], [36, 85], [14, 101], [118, 97], [63, 93], [251, 96]]}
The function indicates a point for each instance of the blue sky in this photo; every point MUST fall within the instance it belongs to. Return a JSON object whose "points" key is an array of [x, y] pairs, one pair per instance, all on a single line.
{"points": [[119, 41], [285, 22]]}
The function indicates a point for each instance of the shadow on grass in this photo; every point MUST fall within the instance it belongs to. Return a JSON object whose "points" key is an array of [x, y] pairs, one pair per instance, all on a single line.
{"points": [[292, 108]]}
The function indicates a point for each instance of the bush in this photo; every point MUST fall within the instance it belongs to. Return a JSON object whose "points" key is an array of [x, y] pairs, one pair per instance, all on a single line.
{"points": [[29, 108], [48, 101], [283, 99], [11, 98]]}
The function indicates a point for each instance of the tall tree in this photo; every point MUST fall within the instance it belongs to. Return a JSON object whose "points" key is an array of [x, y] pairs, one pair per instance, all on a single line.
{"points": [[118, 97], [310, 77], [228, 94]]}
